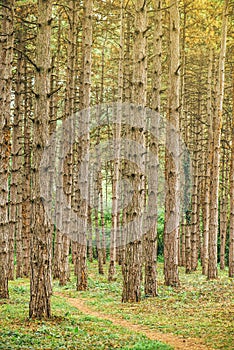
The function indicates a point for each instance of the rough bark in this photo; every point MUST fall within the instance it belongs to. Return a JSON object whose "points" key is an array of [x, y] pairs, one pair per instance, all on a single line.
{"points": [[172, 200], [150, 243], [132, 265], [215, 164], [231, 234], [82, 282], [194, 214], [224, 198], [97, 229], [41, 235], [116, 166], [16, 170], [6, 57], [206, 198]]}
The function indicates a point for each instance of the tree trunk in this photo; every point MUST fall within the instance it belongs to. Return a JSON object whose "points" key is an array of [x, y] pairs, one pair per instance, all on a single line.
{"points": [[127, 91], [150, 244], [6, 57], [103, 240], [194, 214], [15, 210], [183, 232], [90, 230], [206, 198], [116, 166], [224, 207], [69, 161], [231, 234], [217, 125], [172, 201], [17, 153], [82, 282], [181, 258], [132, 265], [26, 176], [97, 229], [41, 235]]}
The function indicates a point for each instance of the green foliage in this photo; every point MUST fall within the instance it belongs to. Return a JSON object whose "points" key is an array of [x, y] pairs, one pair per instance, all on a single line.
{"points": [[160, 229], [149, 345]]}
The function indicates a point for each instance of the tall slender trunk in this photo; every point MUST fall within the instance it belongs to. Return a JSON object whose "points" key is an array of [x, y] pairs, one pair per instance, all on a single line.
{"points": [[172, 200], [97, 229], [103, 239], [41, 235], [90, 233], [26, 185], [231, 234], [224, 198], [6, 57], [16, 151], [132, 265], [82, 282], [217, 125], [54, 108], [206, 199], [127, 91], [183, 130], [116, 138], [182, 261], [70, 163], [150, 244], [194, 214]]}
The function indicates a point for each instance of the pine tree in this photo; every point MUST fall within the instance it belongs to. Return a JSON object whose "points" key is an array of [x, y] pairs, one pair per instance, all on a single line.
{"points": [[172, 200], [6, 57], [41, 235]]}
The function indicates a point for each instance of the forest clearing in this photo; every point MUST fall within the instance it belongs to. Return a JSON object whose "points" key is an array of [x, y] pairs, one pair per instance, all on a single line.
{"points": [[116, 174]]}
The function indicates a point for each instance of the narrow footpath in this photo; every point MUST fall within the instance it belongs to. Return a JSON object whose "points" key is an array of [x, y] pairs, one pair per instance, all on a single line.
{"points": [[176, 342]]}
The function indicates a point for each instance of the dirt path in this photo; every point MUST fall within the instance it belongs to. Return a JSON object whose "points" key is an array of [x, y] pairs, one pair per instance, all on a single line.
{"points": [[170, 339]]}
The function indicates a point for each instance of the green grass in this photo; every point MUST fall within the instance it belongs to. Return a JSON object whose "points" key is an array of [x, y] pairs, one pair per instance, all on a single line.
{"points": [[67, 329], [147, 345], [198, 308]]}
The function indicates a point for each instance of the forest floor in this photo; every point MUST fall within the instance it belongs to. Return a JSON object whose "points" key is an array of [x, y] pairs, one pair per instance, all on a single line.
{"points": [[197, 315], [170, 339]]}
